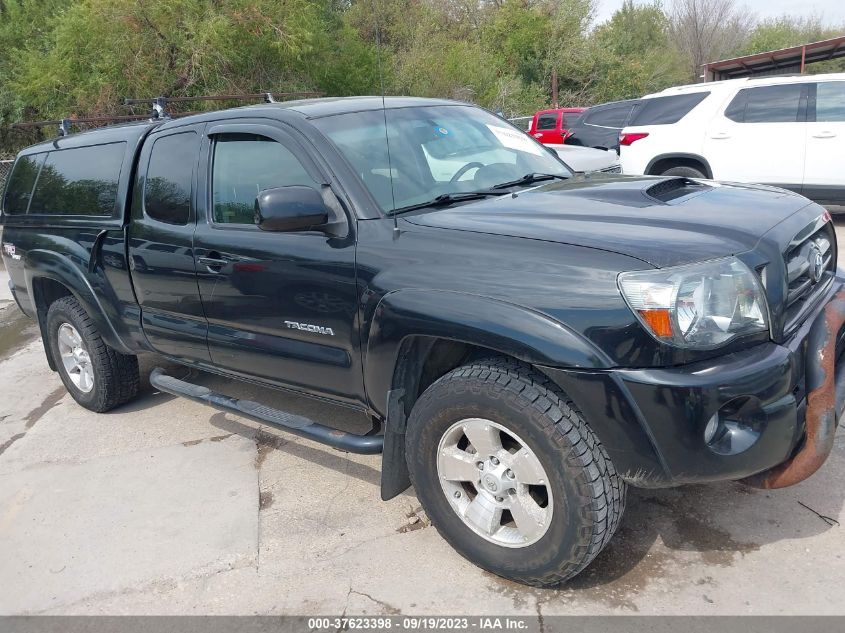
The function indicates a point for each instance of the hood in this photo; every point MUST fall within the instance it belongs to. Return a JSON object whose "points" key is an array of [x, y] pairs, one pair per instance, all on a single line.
{"points": [[586, 159], [661, 221]]}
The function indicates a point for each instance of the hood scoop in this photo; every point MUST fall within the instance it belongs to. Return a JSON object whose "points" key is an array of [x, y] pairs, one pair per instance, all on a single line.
{"points": [[671, 189]]}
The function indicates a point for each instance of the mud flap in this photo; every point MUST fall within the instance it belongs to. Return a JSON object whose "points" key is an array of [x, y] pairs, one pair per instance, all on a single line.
{"points": [[395, 478]]}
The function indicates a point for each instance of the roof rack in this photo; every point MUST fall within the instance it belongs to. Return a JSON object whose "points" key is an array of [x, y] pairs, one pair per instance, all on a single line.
{"points": [[159, 109], [159, 104], [63, 125]]}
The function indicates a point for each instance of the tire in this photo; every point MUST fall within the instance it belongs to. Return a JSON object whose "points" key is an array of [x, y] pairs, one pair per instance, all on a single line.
{"points": [[685, 172], [586, 497], [111, 378]]}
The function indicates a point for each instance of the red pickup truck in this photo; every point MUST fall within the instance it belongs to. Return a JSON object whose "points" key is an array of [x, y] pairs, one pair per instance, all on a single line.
{"points": [[550, 126]]}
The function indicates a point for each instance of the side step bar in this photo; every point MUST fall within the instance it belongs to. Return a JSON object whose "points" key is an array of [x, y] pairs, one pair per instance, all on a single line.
{"points": [[300, 425]]}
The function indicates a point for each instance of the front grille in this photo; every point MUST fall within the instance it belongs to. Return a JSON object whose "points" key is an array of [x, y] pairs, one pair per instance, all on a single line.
{"points": [[810, 263], [613, 169]]}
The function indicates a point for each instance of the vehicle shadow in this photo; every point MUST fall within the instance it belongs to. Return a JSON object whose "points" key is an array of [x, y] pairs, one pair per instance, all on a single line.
{"points": [[267, 438], [717, 523]]}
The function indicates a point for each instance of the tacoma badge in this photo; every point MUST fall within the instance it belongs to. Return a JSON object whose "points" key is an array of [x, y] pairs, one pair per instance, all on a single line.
{"points": [[307, 327]]}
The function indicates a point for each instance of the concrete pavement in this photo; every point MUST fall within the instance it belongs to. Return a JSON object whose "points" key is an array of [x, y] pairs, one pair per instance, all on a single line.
{"points": [[164, 506]]}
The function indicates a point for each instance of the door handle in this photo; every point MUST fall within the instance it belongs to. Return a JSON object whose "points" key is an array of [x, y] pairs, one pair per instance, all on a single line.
{"points": [[720, 135], [214, 262], [538, 135], [824, 134]]}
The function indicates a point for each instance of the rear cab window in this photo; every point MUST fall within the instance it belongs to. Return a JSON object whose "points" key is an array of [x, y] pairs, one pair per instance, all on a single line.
{"points": [[667, 110], [77, 181], [21, 183]]}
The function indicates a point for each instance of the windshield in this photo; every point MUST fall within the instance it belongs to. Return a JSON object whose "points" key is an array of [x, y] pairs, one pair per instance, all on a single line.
{"points": [[435, 151]]}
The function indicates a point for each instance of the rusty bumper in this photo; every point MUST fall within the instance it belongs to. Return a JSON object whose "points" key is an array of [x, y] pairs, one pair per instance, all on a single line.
{"points": [[822, 402]]}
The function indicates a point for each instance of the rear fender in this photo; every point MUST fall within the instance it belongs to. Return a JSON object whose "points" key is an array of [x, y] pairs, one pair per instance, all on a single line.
{"points": [[87, 289]]}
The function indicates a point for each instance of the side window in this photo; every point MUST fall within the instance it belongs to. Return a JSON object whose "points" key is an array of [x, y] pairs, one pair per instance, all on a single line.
{"points": [[547, 121], [244, 165], [766, 104], [79, 181], [570, 118], [170, 173], [609, 117], [21, 182], [830, 101], [667, 110]]}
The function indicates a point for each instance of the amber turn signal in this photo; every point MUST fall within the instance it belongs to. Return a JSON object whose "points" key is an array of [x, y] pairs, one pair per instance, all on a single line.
{"points": [[659, 321]]}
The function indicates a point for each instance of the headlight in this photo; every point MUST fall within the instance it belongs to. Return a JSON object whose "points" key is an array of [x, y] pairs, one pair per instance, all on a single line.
{"points": [[697, 306]]}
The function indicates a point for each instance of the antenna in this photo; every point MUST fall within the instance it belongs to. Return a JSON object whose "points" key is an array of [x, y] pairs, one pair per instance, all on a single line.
{"points": [[384, 113]]}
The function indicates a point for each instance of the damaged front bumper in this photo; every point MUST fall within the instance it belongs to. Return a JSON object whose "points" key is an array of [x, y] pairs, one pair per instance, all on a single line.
{"points": [[766, 415]]}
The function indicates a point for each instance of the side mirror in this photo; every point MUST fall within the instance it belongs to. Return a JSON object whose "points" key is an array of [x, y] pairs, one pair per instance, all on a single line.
{"points": [[294, 208]]}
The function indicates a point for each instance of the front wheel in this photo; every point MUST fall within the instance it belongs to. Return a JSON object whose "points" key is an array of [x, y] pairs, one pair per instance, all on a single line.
{"points": [[511, 475]]}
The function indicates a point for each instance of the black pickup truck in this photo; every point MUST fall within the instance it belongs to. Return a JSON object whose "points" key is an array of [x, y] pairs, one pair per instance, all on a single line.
{"points": [[527, 341]]}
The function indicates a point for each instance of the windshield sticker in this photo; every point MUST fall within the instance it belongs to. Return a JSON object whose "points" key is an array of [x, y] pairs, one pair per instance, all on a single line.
{"points": [[513, 139]]}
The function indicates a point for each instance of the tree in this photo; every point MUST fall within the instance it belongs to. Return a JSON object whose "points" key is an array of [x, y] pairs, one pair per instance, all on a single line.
{"points": [[634, 53], [707, 30], [785, 31]]}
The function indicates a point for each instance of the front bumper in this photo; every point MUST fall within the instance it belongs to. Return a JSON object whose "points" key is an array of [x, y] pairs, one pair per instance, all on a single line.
{"points": [[652, 421]]}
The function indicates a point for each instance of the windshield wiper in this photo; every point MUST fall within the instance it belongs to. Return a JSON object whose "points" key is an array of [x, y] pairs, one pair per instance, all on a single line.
{"points": [[529, 179], [450, 198]]}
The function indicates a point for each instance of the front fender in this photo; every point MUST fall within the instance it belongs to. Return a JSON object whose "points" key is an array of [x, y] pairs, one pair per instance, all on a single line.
{"points": [[500, 326], [87, 289]]}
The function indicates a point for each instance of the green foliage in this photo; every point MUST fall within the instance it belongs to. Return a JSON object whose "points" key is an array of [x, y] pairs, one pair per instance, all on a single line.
{"points": [[634, 53], [61, 58], [787, 31]]}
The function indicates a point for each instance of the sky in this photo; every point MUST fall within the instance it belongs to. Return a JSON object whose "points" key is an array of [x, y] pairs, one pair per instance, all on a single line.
{"points": [[831, 11]]}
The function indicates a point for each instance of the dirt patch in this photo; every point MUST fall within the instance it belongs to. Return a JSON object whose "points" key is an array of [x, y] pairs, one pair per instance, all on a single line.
{"points": [[216, 438], [10, 441], [265, 500], [50, 401], [16, 330], [417, 520], [694, 532], [266, 443]]}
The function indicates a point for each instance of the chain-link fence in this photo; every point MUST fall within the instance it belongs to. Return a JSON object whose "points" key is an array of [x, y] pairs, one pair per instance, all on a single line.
{"points": [[5, 170]]}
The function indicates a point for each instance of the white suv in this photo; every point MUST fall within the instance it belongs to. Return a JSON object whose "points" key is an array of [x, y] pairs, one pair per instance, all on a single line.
{"points": [[787, 131]]}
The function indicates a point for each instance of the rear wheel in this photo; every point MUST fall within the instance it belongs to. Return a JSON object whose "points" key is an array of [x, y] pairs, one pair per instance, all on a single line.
{"points": [[511, 475], [98, 377]]}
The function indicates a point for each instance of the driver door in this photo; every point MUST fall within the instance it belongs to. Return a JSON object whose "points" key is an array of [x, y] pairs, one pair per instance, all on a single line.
{"points": [[280, 306]]}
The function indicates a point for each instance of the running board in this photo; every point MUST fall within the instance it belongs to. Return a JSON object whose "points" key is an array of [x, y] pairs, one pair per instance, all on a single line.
{"points": [[300, 425]]}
